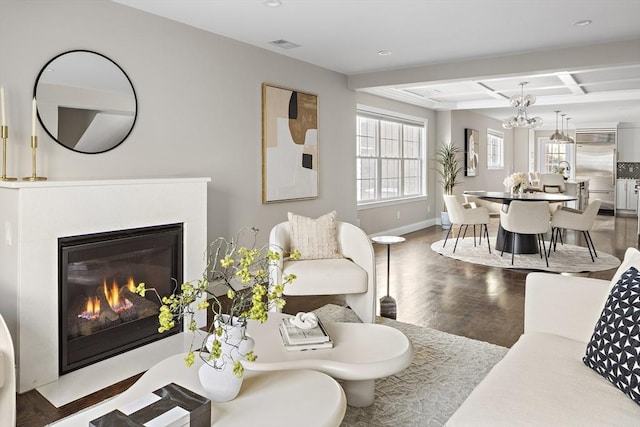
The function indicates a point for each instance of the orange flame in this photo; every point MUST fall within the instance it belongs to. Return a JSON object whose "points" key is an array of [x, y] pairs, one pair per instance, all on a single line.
{"points": [[92, 310], [112, 296], [93, 305]]}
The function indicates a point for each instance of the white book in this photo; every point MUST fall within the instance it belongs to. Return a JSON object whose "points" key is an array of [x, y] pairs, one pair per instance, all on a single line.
{"points": [[302, 347], [297, 335]]}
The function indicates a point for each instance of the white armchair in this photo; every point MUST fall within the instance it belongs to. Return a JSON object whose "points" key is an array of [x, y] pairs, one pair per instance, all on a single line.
{"points": [[7, 377], [353, 276]]}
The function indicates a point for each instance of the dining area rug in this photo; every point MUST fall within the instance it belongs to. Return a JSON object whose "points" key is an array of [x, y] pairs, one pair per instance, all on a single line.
{"points": [[567, 258]]}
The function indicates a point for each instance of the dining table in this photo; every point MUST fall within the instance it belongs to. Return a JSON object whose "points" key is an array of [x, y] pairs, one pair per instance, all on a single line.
{"points": [[524, 243]]}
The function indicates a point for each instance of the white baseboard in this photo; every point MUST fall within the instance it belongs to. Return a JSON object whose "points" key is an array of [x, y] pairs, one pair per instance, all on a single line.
{"points": [[409, 228]]}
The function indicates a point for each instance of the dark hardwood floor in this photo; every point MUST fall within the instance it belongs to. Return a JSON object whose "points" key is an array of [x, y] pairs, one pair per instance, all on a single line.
{"points": [[431, 290]]}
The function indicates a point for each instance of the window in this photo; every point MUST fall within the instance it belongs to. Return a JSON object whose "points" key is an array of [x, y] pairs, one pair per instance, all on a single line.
{"points": [[390, 158], [553, 153], [495, 149]]}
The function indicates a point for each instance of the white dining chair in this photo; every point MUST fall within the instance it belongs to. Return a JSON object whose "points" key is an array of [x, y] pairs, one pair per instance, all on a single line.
{"points": [[572, 219], [470, 197], [524, 217], [534, 180], [552, 183], [462, 216]]}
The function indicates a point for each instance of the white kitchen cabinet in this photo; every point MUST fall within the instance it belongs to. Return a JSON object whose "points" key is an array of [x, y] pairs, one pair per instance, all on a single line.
{"points": [[629, 144], [632, 197], [621, 194], [626, 196]]}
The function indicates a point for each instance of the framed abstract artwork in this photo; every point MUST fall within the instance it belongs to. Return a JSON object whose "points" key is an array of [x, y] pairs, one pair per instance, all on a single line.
{"points": [[471, 152], [289, 145]]}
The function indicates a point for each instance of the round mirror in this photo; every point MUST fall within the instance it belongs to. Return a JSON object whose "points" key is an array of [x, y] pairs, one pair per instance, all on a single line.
{"points": [[85, 101]]}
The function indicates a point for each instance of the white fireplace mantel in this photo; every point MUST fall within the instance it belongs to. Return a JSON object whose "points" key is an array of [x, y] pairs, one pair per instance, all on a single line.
{"points": [[33, 215]]}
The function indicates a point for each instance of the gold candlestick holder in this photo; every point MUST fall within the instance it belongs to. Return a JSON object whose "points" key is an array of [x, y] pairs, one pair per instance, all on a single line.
{"points": [[4, 134], [34, 175]]}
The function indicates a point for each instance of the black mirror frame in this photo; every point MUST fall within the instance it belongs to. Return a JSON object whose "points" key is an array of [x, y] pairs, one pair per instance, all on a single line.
{"points": [[133, 90]]}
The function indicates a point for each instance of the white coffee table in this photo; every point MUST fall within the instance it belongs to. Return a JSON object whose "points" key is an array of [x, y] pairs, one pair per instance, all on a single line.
{"points": [[266, 398], [362, 352]]}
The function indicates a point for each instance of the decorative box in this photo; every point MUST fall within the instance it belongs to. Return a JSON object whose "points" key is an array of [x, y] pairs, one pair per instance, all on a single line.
{"points": [[169, 406]]}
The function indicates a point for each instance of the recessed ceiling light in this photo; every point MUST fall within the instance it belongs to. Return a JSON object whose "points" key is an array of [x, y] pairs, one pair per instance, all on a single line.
{"points": [[384, 52], [272, 3], [582, 23]]}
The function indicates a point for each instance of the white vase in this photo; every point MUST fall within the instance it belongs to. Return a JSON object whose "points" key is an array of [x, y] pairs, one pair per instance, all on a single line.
{"points": [[445, 222], [219, 384], [218, 379]]}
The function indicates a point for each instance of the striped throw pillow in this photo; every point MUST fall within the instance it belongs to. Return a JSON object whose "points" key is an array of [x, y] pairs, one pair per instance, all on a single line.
{"points": [[315, 238]]}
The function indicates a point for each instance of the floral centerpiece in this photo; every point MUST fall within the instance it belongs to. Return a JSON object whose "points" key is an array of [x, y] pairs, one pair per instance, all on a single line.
{"points": [[243, 272], [516, 182]]}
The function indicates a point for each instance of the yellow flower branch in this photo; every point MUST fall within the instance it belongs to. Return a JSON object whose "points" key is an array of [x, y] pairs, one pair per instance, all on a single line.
{"points": [[254, 294]]}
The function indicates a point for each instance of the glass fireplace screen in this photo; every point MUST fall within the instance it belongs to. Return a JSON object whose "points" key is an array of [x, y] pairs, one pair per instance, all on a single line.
{"points": [[100, 314]]}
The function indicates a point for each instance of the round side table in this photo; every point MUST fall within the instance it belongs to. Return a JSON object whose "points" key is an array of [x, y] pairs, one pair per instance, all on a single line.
{"points": [[388, 306]]}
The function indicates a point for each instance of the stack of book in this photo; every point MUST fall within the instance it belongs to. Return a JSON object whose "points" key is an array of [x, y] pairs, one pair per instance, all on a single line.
{"points": [[297, 339]]}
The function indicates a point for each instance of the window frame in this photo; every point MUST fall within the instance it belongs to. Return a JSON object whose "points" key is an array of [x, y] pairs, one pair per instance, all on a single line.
{"points": [[403, 119], [543, 142], [495, 134]]}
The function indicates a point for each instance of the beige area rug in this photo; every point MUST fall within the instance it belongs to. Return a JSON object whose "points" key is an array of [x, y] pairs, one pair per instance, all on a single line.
{"points": [[444, 371], [566, 259]]}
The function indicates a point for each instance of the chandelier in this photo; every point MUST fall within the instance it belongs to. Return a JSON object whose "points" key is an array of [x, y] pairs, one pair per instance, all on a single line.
{"points": [[521, 119]]}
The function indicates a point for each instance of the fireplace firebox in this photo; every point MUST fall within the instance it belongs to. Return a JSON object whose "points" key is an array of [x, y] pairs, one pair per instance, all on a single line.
{"points": [[100, 314]]}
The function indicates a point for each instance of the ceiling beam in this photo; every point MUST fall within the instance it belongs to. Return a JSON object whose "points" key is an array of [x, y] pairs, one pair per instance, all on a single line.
{"points": [[576, 58], [571, 83], [629, 95]]}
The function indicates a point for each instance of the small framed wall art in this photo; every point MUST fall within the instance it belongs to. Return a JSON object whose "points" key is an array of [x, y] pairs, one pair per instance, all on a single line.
{"points": [[289, 145], [471, 152]]}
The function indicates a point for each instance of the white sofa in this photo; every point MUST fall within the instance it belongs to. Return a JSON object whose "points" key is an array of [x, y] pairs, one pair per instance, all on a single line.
{"points": [[542, 380]]}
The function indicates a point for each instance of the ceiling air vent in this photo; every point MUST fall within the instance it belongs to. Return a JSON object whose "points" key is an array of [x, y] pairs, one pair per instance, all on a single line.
{"points": [[284, 44]]}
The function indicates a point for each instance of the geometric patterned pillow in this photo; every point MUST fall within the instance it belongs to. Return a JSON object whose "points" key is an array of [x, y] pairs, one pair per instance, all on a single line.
{"points": [[614, 348], [315, 238]]}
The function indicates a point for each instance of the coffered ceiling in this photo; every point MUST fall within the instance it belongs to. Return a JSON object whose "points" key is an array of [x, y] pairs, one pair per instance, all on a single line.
{"points": [[347, 35], [595, 97]]}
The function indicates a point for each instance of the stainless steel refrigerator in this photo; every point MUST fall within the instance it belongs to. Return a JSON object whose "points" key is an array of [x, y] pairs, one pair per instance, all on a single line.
{"points": [[596, 161]]}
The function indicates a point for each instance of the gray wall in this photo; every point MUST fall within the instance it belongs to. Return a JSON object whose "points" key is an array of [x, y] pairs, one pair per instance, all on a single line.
{"points": [[486, 179], [451, 127], [199, 102]]}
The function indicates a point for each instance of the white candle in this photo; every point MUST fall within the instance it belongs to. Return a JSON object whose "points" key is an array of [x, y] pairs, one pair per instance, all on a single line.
{"points": [[4, 115], [33, 118]]}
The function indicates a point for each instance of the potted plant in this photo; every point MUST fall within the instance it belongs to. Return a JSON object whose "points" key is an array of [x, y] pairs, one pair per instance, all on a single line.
{"points": [[243, 272], [448, 159]]}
